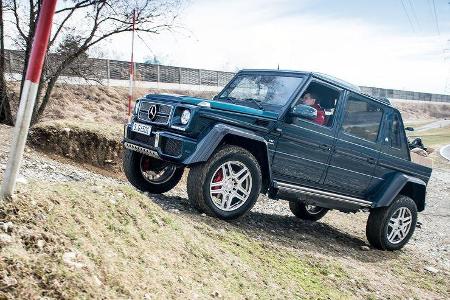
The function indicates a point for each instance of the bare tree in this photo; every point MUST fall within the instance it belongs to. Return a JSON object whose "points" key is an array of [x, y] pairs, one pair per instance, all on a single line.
{"points": [[80, 25], [5, 107]]}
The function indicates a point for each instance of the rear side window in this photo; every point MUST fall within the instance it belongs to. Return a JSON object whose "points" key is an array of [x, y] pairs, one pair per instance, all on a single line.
{"points": [[395, 133], [362, 118]]}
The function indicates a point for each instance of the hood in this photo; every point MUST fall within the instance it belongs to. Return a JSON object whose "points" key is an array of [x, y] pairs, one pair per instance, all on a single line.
{"points": [[216, 105]]}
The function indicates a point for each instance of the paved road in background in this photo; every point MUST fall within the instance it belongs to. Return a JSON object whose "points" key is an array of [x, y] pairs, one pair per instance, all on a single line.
{"points": [[434, 125], [445, 152]]}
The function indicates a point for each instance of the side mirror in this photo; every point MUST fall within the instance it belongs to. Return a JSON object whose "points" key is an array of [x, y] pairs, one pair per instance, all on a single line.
{"points": [[304, 111], [409, 129], [215, 97]]}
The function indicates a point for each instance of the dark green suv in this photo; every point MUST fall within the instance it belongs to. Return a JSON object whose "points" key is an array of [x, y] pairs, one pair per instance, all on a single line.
{"points": [[304, 137]]}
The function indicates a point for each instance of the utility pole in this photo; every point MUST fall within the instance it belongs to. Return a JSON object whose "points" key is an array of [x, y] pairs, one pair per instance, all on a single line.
{"points": [[28, 96], [132, 71]]}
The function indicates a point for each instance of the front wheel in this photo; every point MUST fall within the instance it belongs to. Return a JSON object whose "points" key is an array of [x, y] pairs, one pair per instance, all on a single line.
{"points": [[227, 185], [390, 228], [150, 174], [307, 211]]}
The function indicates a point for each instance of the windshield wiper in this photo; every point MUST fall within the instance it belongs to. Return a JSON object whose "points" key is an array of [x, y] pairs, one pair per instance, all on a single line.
{"points": [[232, 99], [257, 102]]}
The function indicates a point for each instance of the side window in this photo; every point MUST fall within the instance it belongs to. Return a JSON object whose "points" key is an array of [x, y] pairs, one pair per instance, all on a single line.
{"points": [[362, 118], [395, 133], [324, 99]]}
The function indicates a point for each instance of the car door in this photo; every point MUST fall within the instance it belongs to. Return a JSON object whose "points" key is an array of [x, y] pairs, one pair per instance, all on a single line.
{"points": [[394, 150], [357, 147], [304, 147]]}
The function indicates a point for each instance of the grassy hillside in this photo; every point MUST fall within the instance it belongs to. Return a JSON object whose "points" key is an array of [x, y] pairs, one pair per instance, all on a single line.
{"points": [[96, 103], [433, 137], [96, 240], [78, 241]]}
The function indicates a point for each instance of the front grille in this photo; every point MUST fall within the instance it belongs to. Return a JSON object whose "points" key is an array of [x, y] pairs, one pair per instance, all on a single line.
{"points": [[162, 116], [172, 147]]}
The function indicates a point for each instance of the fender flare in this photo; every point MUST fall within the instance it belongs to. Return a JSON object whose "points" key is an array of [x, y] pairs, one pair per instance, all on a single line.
{"points": [[394, 186], [212, 140]]}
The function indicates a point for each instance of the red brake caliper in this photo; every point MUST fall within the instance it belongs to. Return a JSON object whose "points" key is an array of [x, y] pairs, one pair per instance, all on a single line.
{"points": [[217, 178], [145, 164]]}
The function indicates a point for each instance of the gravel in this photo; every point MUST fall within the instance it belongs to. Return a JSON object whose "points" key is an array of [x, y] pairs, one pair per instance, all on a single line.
{"points": [[39, 167]]}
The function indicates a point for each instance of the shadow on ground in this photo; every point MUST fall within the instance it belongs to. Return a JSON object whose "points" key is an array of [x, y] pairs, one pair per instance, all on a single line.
{"points": [[288, 231]]}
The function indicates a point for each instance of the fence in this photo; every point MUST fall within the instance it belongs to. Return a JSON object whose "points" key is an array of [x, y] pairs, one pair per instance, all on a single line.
{"points": [[105, 69]]}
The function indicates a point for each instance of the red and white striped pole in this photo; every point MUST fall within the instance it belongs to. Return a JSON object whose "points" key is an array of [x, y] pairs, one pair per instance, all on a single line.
{"points": [[28, 95], [130, 89]]}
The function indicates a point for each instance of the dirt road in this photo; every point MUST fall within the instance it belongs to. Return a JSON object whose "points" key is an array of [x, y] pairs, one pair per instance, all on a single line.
{"points": [[433, 125]]}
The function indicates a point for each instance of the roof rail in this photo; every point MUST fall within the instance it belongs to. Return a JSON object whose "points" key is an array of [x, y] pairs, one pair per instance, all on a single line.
{"points": [[384, 100]]}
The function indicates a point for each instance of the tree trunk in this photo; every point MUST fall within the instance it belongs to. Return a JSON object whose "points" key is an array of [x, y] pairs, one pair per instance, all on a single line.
{"points": [[5, 107], [45, 99]]}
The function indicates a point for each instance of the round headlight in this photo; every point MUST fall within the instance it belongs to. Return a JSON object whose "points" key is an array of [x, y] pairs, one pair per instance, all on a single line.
{"points": [[185, 116]]}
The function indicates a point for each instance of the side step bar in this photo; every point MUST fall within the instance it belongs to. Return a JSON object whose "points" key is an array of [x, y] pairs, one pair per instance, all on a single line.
{"points": [[345, 200]]}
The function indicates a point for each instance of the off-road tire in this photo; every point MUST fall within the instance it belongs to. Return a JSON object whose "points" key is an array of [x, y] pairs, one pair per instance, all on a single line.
{"points": [[299, 210], [377, 224], [200, 176], [131, 168]]}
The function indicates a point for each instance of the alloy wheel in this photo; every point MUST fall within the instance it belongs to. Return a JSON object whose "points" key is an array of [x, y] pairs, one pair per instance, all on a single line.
{"points": [[399, 225], [230, 186], [156, 172], [312, 209]]}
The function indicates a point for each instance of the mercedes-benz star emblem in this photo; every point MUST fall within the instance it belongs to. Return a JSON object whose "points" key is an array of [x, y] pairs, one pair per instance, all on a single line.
{"points": [[152, 112]]}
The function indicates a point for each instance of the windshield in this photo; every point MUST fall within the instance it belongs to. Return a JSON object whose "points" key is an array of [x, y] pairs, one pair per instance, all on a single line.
{"points": [[262, 89]]}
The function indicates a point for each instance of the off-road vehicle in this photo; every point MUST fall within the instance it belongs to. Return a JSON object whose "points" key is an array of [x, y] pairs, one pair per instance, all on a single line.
{"points": [[345, 150]]}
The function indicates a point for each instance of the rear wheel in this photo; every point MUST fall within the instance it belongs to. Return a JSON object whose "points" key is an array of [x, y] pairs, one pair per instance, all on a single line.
{"points": [[390, 228], [150, 174], [307, 211], [227, 185]]}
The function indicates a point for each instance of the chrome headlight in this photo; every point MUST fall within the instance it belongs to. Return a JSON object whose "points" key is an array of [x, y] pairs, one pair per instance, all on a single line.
{"points": [[185, 116]]}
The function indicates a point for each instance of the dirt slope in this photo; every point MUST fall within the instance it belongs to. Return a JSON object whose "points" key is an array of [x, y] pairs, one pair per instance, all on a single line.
{"points": [[77, 234], [95, 103]]}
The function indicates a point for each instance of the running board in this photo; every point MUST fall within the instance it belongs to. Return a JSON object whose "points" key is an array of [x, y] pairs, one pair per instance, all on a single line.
{"points": [[345, 200]]}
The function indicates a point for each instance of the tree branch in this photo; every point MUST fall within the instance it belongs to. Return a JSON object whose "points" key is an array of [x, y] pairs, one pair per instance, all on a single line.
{"points": [[80, 4], [17, 23]]}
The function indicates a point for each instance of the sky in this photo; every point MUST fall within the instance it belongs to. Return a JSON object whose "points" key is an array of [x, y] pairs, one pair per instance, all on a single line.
{"points": [[374, 43], [400, 44]]}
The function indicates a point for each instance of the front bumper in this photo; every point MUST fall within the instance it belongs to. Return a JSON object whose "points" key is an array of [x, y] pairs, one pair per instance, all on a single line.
{"points": [[160, 144]]}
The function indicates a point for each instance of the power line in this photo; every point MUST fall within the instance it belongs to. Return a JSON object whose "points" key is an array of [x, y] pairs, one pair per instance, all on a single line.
{"points": [[436, 18], [409, 18], [145, 43], [413, 10]]}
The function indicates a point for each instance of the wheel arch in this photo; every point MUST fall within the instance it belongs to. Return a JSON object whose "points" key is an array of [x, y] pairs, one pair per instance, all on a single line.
{"points": [[401, 184], [222, 134]]}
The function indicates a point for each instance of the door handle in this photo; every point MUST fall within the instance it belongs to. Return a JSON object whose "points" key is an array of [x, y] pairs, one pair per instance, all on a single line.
{"points": [[371, 160], [325, 147]]}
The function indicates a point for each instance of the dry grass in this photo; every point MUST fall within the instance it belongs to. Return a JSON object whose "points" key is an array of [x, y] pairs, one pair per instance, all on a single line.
{"points": [[417, 112], [112, 131], [434, 137], [96, 103], [126, 247]]}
